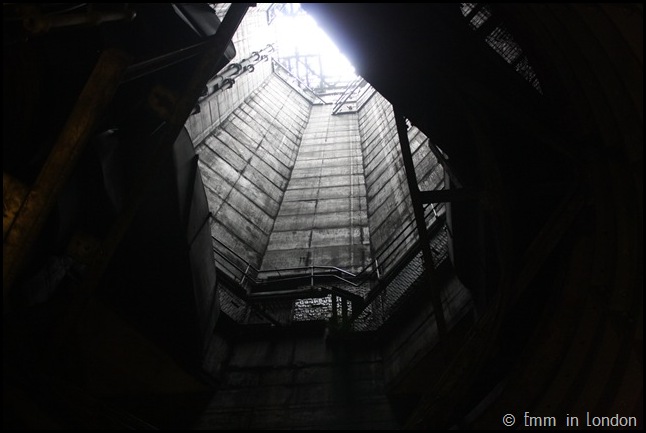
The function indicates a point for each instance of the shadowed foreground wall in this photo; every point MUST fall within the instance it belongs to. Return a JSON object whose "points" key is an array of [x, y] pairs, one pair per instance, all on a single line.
{"points": [[300, 382]]}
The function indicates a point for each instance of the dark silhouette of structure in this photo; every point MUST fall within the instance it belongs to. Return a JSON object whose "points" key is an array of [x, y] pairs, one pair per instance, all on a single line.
{"points": [[111, 316]]}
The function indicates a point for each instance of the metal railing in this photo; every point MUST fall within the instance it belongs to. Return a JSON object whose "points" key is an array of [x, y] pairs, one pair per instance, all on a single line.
{"points": [[380, 264], [286, 75], [251, 275], [257, 286], [354, 97]]}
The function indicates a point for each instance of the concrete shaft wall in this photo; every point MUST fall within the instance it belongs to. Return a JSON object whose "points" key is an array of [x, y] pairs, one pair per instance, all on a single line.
{"points": [[323, 218], [344, 184], [389, 205], [337, 198], [246, 165], [430, 174], [388, 198], [253, 34], [292, 185]]}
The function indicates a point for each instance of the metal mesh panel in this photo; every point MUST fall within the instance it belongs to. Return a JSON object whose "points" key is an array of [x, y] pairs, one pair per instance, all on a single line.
{"points": [[322, 308], [377, 312], [465, 8], [402, 286], [525, 69], [312, 309], [440, 246], [480, 18], [504, 44]]}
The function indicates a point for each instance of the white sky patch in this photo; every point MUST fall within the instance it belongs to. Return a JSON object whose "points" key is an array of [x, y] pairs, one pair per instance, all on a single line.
{"points": [[301, 35]]}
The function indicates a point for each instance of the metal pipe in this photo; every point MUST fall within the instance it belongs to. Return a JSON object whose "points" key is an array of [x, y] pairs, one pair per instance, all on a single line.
{"points": [[296, 293], [217, 84]]}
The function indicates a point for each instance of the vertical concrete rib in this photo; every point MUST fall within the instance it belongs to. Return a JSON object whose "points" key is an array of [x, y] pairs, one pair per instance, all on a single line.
{"points": [[246, 165], [321, 207]]}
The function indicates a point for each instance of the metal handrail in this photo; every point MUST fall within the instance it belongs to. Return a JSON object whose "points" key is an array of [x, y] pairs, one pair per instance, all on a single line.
{"points": [[300, 268], [349, 91], [257, 271], [258, 281], [355, 281]]}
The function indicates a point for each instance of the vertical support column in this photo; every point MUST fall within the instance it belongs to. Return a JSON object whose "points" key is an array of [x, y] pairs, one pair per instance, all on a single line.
{"points": [[418, 209]]}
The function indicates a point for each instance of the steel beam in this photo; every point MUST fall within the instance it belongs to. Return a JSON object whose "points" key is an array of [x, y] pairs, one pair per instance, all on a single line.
{"points": [[41, 198], [424, 238]]}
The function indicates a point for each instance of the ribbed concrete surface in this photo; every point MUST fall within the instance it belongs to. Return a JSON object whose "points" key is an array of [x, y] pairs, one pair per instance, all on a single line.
{"points": [[323, 217], [293, 186], [246, 165], [389, 205], [430, 174], [388, 198]]}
